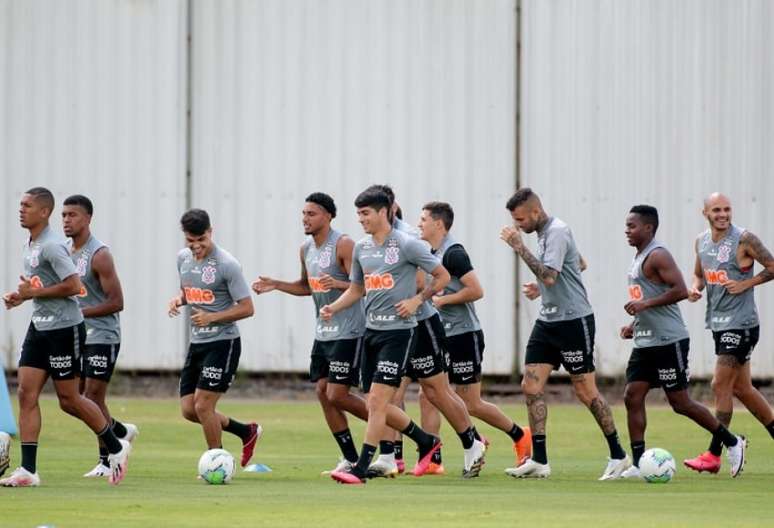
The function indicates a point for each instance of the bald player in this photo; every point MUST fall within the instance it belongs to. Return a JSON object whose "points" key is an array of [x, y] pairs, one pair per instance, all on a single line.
{"points": [[725, 257]]}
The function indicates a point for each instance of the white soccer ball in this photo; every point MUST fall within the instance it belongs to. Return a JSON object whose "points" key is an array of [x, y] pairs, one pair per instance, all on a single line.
{"points": [[657, 465], [216, 466]]}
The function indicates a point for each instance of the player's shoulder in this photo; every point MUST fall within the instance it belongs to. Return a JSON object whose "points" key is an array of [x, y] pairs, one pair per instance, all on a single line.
{"points": [[54, 244], [224, 258], [184, 254], [557, 225]]}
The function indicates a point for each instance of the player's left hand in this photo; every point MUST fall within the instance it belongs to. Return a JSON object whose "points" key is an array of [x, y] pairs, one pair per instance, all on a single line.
{"points": [[12, 300], [511, 235], [408, 307], [438, 300], [201, 318], [735, 287], [635, 307], [326, 313], [327, 282], [25, 287]]}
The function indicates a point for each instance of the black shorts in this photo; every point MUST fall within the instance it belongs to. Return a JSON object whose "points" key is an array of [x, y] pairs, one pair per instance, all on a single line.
{"points": [[337, 360], [567, 343], [661, 366], [385, 355], [466, 351], [98, 361], [58, 352], [428, 357], [738, 343], [210, 366]]}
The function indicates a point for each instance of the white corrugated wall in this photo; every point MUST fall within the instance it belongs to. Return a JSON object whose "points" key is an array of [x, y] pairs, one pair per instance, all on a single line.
{"points": [[303, 96], [92, 102], [656, 102]]}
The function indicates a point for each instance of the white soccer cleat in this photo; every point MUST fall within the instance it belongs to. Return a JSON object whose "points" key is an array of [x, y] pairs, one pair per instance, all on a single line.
{"points": [[631, 472], [132, 432], [384, 466], [5, 451], [474, 459], [21, 478], [737, 455], [118, 463], [100, 470], [529, 469], [343, 465], [615, 467]]}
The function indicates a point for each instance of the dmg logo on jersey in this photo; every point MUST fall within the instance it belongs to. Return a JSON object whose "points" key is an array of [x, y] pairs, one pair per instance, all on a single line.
{"points": [[391, 255], [198, 296], [317, 286], [635, 292], [724, 253], [377, 281], [208, 274], [83, 292], [715, 276]]}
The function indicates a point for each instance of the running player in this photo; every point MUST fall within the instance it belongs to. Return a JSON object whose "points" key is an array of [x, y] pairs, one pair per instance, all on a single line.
{"points": [[464, 337], [326, 258], [725, 256], [384, 267], [100, 300], [53, 343], [660, 354], [563, 333], [212, 284]]}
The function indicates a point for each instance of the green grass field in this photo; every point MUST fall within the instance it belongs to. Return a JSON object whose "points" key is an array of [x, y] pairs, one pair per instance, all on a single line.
{"points": [[161, 488]]}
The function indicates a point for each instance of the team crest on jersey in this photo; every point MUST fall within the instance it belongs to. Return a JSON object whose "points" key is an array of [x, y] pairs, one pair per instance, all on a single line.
{"points": [[724, 253], [324, 260], [34, 257], [80, 267], [391, 255], [208, 274]]}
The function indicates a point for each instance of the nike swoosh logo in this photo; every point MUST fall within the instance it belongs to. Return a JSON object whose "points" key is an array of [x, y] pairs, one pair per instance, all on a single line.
{"points": [[341, 377], [99, 373], [214, 384], [65, 373], [466, 379], [389, 379], [669, 386], [427, 371]]}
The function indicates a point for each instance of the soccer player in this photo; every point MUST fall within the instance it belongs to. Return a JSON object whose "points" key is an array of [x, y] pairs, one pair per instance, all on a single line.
{"points": [[53, 343], [212, 284], [563, 333], [725, 257], [464, 337], [100, 300], [660, 354], [384, 267], [326, 258]]}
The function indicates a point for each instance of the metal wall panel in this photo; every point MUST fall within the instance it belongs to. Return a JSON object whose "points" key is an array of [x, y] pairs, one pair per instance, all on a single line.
{"points": [[295, 97], [658, 102], [92, 99]]}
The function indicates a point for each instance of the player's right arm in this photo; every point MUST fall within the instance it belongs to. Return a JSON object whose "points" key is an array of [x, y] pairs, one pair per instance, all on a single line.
{"points": [[59, 258], [697, 280], [300, 287], [661, 263], [175, 303], [105, 270], [352, 295]]}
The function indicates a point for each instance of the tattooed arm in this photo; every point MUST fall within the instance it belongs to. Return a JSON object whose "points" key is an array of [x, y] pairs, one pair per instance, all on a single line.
{"points": [[512, 236], [754, 249]]}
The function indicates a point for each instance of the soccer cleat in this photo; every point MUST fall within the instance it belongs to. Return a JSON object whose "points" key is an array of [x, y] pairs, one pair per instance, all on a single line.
{"points": [[631, 472], [704, 462], [736, 455], [424, 461], [383, 467], [523, 448], [401, 465], [347, 477], [615, 467], [435, 469], [529, 469], [132, 432], [248, 446], [118, 462], [100, 470], [474, 460], [21, 478], [343, 465], [5, 451]]}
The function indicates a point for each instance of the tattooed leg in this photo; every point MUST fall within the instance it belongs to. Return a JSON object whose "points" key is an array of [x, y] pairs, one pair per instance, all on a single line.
{"points": [[538, 412]]}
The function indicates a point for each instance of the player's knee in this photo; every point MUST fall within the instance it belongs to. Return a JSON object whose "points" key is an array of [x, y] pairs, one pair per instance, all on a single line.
{"points": [[585, 394], [203, 408], [530, 388], [94, 395], [189, 413], [322, 392], [27, 399], [720, 387], [632, 399], [69, 403], [681, 406], [336, 396]]}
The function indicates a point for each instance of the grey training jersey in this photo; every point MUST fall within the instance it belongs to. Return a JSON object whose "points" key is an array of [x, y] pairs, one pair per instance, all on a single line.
{"points": [[104, 330], [213, 284], [658, 326], [388, 272], [347, 324], [725, 311], [426, 310], [47, 262], [457, 318], [566, 299]]}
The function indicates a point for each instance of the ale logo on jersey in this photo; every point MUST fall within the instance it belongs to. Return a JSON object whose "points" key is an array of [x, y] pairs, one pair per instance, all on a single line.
{"points": [[379, 281], [198, 295], [635, 292], [715, 276], [317, 286], [208, 274]]}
